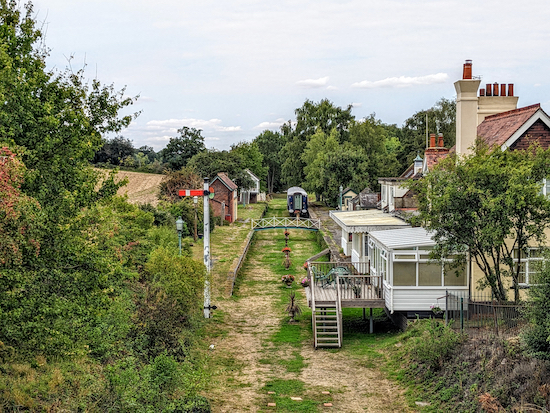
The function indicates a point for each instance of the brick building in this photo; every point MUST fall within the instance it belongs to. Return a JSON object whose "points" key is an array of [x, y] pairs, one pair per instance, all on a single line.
{"points": [[224, 204]]}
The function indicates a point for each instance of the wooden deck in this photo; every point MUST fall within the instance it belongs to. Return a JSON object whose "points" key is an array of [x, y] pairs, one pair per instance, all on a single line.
{"points": [[368, 297]]}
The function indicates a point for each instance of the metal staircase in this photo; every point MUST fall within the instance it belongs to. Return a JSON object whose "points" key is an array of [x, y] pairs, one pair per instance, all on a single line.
{"points": [[327, 325]]}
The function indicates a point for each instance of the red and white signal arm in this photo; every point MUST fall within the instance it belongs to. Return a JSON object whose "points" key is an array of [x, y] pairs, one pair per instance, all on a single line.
{"points": [[197, 192]]}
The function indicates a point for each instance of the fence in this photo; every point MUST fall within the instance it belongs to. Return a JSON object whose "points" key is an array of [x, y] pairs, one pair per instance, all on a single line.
{"points": [[479, 315]]}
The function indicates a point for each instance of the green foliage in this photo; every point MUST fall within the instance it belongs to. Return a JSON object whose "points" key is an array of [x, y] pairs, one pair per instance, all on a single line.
{"points": [[184, 178], [182, 148], [310, 118], [182, 279], [270, 145], [537, 334], [114, 151], [164, 385], [441, 119], [429, 343], [483, 200]]}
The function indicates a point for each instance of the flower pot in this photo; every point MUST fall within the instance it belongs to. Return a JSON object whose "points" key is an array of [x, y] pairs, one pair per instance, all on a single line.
{"points": [[288, 284]]}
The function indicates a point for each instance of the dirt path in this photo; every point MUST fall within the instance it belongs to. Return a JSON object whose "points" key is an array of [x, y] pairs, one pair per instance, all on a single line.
{"points": [[246, 355]]}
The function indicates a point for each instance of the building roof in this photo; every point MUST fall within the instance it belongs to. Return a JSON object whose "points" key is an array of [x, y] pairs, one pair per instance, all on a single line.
{"points": [[366, 198], [366, 221], [252, 175], [498, 129], [404, 238], [345, 191], [226, 181]]}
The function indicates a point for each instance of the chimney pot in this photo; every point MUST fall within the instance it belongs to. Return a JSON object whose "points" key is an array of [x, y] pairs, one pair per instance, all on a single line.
{"points": [[495, 89], [440, 143], [467, 71], [432, 140], [503, 89], [481, 92], [510, 89], [489, 89]]}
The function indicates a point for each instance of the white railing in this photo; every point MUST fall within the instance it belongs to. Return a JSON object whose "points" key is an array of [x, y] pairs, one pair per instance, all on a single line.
{"points": [[286, 222]]}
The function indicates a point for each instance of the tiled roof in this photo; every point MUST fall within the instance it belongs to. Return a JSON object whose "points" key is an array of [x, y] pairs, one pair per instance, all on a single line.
{"points": [[497, 129], [226, 181]]}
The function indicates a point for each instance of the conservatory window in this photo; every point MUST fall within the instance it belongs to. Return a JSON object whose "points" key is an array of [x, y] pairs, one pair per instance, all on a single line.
{"points": [[429, 274], [455, 277], [404, 273]]}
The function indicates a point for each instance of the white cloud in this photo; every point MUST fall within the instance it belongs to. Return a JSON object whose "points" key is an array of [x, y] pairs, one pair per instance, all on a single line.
{"points": [[270, 125], [356, 104], [313, 83], [403, 81], [173, 125], [332, 88]]}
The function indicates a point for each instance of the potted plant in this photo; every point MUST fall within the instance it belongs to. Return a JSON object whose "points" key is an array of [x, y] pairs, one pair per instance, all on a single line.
{"points": [[287, 279], [305, 265], [305, 282], [436, 309], [357, 291]]}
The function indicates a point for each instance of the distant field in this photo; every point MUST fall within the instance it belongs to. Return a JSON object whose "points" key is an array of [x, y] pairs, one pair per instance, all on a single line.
{"points": [[142, 188]]}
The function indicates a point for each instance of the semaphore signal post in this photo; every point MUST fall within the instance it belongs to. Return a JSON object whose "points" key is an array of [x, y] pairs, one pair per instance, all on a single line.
{"points": [[206, 193]]}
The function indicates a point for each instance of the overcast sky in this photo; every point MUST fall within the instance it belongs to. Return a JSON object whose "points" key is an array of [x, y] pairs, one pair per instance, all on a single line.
{"points": [[234, 68]]}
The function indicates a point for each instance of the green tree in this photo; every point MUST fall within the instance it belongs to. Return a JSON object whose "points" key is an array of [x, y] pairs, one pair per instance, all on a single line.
{"points": [[270, 145], [323, 116], [250, 157], [441, 119], [182, 148], [489, 203], [537, 335], [114, 151], [57, 118]]}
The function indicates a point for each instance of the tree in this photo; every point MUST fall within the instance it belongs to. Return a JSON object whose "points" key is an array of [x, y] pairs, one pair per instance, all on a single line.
{"points": [[270, 145], [441, 119], [19, 214], [57, 118], [114, 151], [537, 334], [489, 203], [182, 148], [248, 156], [323, 116]]}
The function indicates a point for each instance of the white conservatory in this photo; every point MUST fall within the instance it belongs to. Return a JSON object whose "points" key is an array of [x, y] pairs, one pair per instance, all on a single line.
{"points": [[411, 282]]}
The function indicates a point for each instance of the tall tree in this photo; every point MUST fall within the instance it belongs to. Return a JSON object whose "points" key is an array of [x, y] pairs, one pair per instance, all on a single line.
{"points": [[270, 145], [491, 204], [323, 116], [183, 147], [114, 151], [441, 118], [57, 118]]}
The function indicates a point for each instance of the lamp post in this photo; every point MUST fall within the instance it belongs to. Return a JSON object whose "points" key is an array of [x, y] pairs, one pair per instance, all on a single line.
{"points": [[340, 200], [179, 227], [195, 201]]}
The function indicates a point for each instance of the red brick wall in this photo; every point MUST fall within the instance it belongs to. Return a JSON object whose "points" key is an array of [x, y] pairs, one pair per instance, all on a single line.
{"points": [[222, 194], [538, 132]]}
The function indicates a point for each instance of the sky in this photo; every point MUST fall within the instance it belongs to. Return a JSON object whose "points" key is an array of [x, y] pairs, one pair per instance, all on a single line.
{"points": [[235, 68]]}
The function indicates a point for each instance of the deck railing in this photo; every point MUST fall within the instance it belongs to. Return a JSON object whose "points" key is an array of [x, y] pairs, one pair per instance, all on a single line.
{"points": [[353, 281]]}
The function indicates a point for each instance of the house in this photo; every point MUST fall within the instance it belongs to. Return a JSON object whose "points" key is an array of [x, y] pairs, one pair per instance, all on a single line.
{"points": [[367, 199], [224, 203], [355, 227], [347, 195], [251, 195]]}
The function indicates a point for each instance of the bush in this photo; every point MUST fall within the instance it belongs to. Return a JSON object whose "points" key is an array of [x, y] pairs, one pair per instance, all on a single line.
{"points": [[429, 343]]}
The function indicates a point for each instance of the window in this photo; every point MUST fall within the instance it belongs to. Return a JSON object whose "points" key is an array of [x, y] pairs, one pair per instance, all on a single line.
{"points": [[530, 261], [545, 186]]}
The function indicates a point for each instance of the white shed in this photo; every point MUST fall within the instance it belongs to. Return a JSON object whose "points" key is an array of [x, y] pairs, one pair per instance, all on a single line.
{"points": [[356, 225], [411, 282]]}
